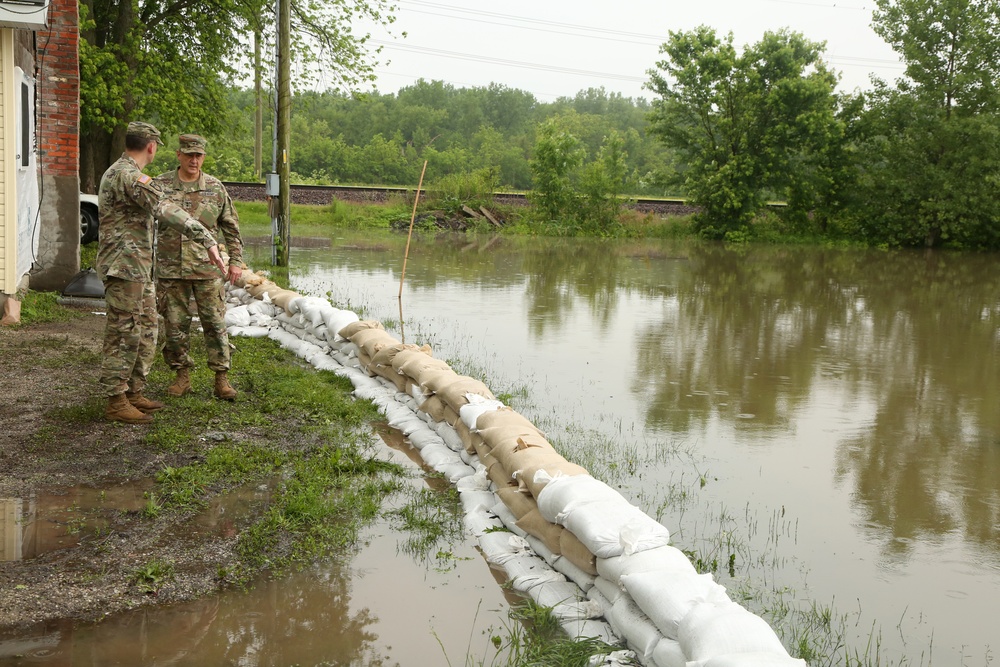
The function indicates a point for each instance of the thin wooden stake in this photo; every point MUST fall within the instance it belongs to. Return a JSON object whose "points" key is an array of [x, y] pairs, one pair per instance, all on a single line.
{"points": [[410, 235]]}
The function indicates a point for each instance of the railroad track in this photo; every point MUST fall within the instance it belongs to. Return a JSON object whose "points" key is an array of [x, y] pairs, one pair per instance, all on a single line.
{"points": [[324, 194]]}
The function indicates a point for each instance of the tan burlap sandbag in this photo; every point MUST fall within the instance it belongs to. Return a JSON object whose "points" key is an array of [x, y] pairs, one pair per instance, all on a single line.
{"points": [[355, 327], [525, 449], [282, 297], [469, 439], [414, 366], [454, 393], [257, 289], [504, 416], [483, 450], [518, 503], [371, 341], [433, 380], [416, 354], [552, 468], [434, 407], [573, 550], [533, 523], [450, 415], [499, 476], [387, 354]]}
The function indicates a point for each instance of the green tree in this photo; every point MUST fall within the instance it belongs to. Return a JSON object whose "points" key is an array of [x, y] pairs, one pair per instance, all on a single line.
{"points": [[929, 149], [169, 62], [558, 155], [742, 124]]}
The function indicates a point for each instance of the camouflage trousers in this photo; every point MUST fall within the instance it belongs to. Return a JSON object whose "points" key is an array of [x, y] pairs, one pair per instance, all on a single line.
{"points": [[129, 335], [174, 298]]}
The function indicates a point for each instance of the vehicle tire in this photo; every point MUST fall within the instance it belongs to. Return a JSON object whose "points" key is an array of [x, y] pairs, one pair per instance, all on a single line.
{"points": [[89, 225]]}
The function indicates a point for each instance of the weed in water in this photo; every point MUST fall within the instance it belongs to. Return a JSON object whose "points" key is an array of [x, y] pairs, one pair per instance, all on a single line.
{"points": [[152, 576]]}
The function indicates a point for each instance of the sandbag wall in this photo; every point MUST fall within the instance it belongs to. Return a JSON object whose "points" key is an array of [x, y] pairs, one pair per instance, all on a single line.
{"points": [[574, 544]]}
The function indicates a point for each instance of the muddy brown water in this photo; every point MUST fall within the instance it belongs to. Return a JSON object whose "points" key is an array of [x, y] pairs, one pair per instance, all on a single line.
{"points": [[831, 418]]}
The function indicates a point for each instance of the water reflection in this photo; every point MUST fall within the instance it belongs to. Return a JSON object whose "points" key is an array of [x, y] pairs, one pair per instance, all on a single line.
{"points": [[859, 390]]}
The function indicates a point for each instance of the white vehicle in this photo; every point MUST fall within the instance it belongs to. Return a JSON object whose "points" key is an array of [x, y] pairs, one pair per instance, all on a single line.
{"points": [[89, 222]]}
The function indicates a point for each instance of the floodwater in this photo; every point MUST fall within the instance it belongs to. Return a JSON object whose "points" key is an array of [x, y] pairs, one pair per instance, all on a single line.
{"points": [[823, 424]]}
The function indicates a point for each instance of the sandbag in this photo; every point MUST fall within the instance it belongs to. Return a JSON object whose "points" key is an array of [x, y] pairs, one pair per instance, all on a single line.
{"points": [[711, 630], [505, 417], [418, 353], [525, 449], [749, 660], [667, 597], [668, 653], [416, 366], [433, 380], [537, 474], [354, 327], [614, 528], [518, 503], [533, 523], [563, 494], [661, 558], [639, 632], [576, 552]]}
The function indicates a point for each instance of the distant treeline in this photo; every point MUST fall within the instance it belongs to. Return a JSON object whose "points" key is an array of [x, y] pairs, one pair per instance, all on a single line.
{"points": [[384, 139]]}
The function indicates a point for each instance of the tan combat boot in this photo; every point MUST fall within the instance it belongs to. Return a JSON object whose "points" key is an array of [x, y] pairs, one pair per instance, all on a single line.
{"points": [[120, 410], [223, 389], [181, 384], [142, 403]]}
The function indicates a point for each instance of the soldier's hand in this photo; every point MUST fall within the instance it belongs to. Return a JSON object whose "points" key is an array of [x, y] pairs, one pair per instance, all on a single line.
{"points": [[216, 258], [234, 274]]}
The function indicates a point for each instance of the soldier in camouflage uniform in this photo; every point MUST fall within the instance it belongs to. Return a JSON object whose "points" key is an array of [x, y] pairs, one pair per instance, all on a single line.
{"points": [[182, 274], [128, 200]]}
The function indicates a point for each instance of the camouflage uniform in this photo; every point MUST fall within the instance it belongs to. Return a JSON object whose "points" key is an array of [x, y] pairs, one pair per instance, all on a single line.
{"points": [[128, 201], [182, 271]]}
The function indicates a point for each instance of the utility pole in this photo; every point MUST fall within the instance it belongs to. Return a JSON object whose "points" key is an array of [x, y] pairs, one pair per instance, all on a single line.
{"points": [[258, 115], [282, 237]]}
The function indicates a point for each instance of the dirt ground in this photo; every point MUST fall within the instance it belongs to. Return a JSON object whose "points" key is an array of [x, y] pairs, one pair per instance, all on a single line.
{"points": [[55, 443]]}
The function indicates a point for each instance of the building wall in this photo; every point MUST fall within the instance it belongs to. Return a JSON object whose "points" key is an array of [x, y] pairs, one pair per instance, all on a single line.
{"points": [[58, 130], [8, 210]]}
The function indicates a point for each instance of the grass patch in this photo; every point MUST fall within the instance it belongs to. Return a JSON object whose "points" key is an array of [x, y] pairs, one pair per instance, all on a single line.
{"points": [[430, 517], [41, 307]]}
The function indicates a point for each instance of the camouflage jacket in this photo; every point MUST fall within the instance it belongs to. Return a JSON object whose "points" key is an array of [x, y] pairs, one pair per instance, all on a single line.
{"points": [[207, 200], [128, 200]]}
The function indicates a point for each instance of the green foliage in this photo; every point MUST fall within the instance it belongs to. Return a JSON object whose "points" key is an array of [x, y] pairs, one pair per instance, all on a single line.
{"points": [[40, 307], [746, 126], [927, 153], [574, 195], [153, 575]]}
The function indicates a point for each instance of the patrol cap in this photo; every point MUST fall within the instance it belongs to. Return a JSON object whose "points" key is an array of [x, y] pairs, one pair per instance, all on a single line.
{"points": [[144, 131], [192, 143]]}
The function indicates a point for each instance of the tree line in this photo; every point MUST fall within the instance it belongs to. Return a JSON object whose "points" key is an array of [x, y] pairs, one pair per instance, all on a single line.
{"points": [[910, 163]]}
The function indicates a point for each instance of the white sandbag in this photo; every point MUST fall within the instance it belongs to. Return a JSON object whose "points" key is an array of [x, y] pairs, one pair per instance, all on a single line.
{"points": [[668, 653], [481, 523], [526, 572], [478, 481], [423, 437], [577, 610], [582, 579], [711, 630], [324, 362], [555, 592], [622, 658], [237, 317], [507, 517], [667, 597], [605, 592], [473, 500], [500, 546], [438, 454], [650, 560], [749, 660], [602, 527], [476, 406], [639, 632], [248, 332], [336, 319], [590, 629], [450, 436], [562, 493], [453, 471]]}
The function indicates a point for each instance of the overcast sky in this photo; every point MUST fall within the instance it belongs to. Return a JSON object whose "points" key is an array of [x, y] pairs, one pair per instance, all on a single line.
{"points": [[555, 48]]}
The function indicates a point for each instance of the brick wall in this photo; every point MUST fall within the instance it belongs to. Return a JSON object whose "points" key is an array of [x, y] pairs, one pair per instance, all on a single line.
{"points": [[58, 91]]}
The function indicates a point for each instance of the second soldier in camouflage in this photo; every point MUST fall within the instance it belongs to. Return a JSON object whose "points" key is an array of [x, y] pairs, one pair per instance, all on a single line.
{"points": [[182, 275]]}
